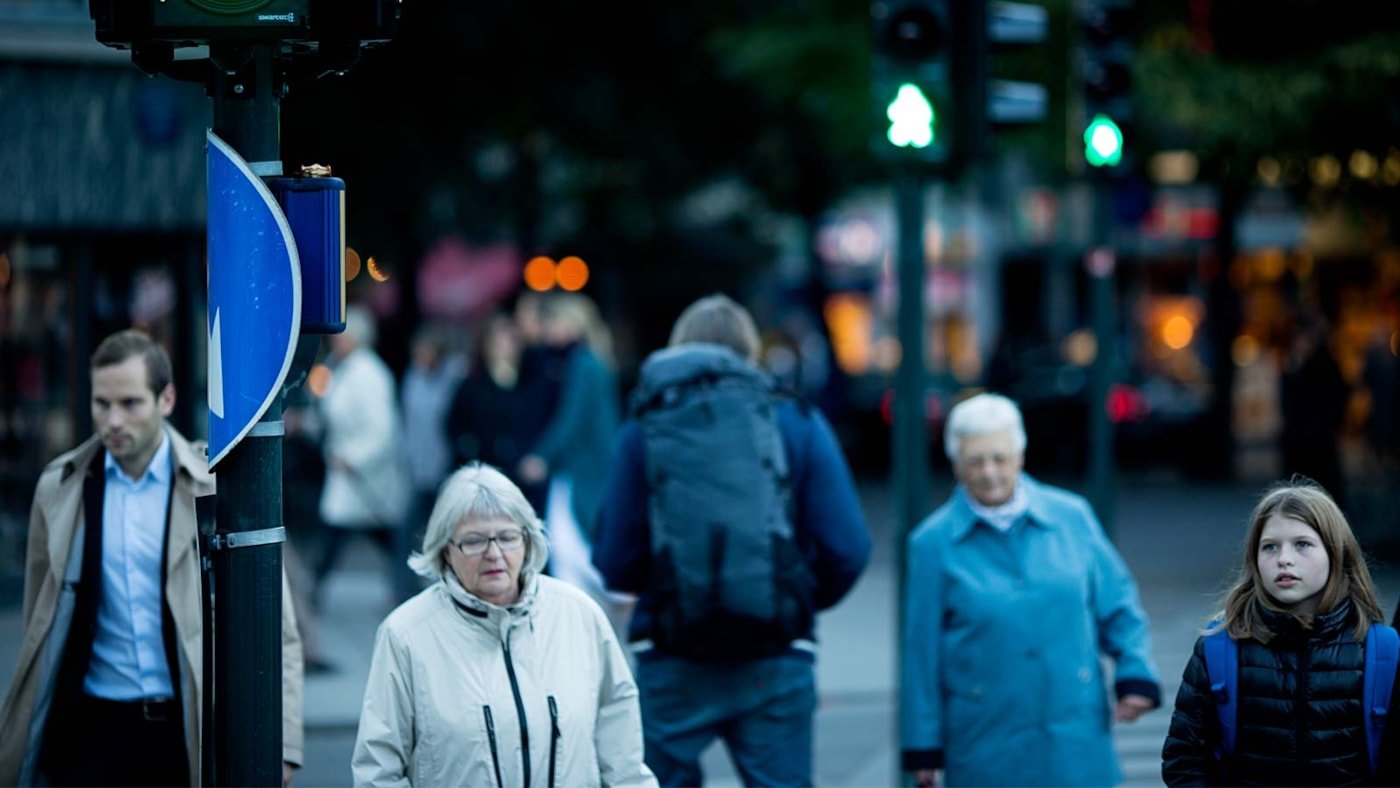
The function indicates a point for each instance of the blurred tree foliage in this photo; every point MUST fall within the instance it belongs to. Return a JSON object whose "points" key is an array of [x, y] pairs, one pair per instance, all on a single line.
{"points": [[553, 123], [1290, 79], [663, 139]]}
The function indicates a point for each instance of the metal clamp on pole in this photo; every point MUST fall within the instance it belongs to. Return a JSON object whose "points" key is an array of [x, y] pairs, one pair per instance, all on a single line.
{"points": [[231, 540], [267, 429]]}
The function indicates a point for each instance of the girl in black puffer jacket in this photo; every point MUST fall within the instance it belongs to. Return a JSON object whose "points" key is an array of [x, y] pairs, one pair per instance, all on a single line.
{"points": [[1299, 613]]}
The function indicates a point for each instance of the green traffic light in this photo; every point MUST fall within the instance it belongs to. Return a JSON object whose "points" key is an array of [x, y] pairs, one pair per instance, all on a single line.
{"points": [[911, 117], [1103, 142]]}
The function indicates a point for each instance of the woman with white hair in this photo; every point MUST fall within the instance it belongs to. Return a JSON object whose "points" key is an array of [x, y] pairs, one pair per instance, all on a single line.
{"points": [[495, 674], [1014, 592]]}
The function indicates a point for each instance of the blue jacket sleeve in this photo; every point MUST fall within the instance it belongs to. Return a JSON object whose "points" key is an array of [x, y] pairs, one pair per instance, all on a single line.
{"points": [[1122, 623], [921, 699], [622, 552], [828, 510]]}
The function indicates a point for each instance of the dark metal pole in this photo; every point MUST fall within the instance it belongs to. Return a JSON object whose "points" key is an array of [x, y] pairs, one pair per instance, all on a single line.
{"points": [[247, 581], [911, 467], [910, 425], [1102, 267]]}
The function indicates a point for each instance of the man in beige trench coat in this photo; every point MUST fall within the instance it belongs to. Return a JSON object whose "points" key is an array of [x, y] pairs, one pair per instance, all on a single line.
{"points": [[107, 689]]}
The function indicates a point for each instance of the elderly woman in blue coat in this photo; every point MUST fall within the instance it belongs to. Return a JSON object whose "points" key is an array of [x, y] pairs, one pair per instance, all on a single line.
{"points": [[1013, 594]]}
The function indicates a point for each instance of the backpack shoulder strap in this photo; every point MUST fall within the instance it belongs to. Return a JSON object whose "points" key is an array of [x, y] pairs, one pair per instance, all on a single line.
{"points": [[1223, 670], [1382, 657]]}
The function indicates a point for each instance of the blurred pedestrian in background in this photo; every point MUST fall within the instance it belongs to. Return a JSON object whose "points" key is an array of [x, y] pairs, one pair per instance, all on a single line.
{"points": [[1381, 376], [576, 447], [1313, 398], [1014, 593], [108, 688], [1299, 614], [496, 675], [432, 378], [485, 422], [731, 511], [539, 392], [365, 491]]}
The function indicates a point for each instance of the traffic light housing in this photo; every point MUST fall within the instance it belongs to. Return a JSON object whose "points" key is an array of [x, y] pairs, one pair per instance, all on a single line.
{"points": [[129, 23], [913, 81], [1107, 27]]}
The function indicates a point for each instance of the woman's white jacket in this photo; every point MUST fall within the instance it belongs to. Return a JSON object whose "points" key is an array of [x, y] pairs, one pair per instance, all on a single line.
{"points": [[462, 692]]}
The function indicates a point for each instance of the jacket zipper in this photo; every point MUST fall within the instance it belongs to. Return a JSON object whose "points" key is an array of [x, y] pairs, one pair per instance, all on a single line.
{"points": [[554, 736], [519, 711], [1300, 705], [491, 737]]}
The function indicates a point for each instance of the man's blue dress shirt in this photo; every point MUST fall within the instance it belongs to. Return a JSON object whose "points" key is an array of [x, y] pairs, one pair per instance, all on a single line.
{"points": [[128, 651]]}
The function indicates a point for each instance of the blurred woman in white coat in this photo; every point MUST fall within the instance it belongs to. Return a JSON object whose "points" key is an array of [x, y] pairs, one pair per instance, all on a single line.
{"points": [[365, 489]]}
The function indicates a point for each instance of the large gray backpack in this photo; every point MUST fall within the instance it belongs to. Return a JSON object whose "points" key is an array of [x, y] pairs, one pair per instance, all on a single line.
{"points": [[728, 580]]}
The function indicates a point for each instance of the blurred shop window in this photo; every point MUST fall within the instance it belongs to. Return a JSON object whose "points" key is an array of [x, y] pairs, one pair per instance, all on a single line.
{"points": [[34, 332], [34, 335]]}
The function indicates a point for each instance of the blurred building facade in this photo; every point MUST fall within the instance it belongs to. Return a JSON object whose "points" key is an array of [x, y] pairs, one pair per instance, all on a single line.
{"points": [[1008, 307], [101, 228]]}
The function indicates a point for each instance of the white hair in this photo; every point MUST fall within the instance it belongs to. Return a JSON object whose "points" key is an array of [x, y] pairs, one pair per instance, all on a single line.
{"points": [[473, 493], [983, 414]]}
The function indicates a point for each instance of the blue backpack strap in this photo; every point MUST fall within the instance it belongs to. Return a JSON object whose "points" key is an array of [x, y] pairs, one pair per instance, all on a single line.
{"points": [[1223, 670], [1382, 658]]}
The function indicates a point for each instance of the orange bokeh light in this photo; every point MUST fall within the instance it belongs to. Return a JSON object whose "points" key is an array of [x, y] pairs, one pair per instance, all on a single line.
{"points": [[352, 264], [539, 274], [572, 274], [1178, 331], [376, 273]]}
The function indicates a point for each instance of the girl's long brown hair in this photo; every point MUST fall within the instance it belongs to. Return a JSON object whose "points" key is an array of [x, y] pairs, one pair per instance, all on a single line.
{"points": [[1305, 501]]}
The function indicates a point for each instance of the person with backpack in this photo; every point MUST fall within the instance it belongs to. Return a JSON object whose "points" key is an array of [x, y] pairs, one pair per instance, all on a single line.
{"points": [[1290, 683], [730, 511], [1014, 594]]}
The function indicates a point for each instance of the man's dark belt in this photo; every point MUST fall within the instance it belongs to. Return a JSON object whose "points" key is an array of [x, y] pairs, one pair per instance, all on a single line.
{"points": [[159, 709]]}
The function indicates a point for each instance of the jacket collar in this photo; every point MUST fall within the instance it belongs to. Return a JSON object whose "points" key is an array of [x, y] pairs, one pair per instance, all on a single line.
{"points": [[190, 460], [964, 519], [492, 616], [192, 478], [1289, 627]]}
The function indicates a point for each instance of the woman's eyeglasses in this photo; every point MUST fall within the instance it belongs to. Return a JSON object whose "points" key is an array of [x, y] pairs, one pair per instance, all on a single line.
{"points": [[477, 544]]}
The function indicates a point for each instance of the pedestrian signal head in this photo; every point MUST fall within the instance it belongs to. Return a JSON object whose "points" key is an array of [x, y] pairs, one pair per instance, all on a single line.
{"points": [[912, 118]]}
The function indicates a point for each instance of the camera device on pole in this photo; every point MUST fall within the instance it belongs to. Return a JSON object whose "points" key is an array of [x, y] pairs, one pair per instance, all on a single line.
{"points": [[320, 36]]}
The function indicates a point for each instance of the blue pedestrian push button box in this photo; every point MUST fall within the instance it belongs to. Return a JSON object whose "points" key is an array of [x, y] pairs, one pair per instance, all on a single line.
{"points": [[315, 209]]}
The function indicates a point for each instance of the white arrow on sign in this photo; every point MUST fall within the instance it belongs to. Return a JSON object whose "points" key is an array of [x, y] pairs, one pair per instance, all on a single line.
{"points": [[216, 368]]}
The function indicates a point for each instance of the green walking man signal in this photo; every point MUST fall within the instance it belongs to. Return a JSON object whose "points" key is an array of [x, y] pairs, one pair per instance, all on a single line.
{"points": [[913, 123], [1103, 142]]}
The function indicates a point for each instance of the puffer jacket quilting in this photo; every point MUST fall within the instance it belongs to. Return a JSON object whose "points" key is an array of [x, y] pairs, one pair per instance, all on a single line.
{"points": [[1300, 718]]}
